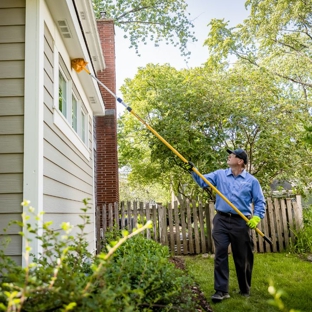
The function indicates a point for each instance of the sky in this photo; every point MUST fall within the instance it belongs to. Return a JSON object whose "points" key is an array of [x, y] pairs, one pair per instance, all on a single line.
{"points": [[201, 13]]}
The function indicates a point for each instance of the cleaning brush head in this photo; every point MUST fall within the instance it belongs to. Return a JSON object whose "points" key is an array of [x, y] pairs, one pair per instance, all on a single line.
{"points": [[78, 64]]}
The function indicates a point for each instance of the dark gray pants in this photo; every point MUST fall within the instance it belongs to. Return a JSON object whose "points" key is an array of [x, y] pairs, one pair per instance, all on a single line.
{"points": [[232, 230]]}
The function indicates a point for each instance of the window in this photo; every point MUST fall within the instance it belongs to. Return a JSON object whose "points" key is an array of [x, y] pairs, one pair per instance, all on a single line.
{"points": [[74, 113], [71, 115], [62, 93], [83, 126]]}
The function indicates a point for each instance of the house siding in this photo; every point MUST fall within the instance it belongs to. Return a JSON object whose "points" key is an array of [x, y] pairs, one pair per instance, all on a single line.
{"points": [[67, 173], [50, 169], [12, 56]]}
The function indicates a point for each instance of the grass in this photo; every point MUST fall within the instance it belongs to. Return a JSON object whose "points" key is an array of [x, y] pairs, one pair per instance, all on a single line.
{"points": [[286, 271]]}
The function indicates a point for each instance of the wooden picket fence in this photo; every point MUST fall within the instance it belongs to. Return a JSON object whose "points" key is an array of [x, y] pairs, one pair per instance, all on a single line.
{"points": [[185, 226]]}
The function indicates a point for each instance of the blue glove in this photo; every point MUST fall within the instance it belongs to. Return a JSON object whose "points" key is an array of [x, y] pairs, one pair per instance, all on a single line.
{"points": [[253, 222]]}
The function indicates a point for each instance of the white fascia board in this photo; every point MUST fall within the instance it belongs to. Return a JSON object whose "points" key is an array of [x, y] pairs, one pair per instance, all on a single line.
{"points": [[97, 105], [88, 21], [33, 115], [64, 10]]}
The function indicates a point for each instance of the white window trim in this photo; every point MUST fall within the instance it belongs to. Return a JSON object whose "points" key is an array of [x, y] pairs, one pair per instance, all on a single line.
{"points": [[73, 95], [68, 85], [64, 123], [83, 111]]}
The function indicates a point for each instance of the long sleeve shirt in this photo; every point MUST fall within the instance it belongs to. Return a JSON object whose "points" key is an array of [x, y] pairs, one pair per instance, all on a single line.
{"points": [[241, 191]]}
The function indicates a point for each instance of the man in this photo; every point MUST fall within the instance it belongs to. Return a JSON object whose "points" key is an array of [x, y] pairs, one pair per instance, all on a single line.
{"points": [[241, 189]]}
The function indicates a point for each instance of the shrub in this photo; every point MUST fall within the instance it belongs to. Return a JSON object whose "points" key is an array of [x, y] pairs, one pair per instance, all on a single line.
{"points": [[303, 237], [144, 264], [136, 276]]}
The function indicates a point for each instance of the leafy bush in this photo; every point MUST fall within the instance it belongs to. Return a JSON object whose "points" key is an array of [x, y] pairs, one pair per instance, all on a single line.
{"points": [[144, 264], [303, 237], [136, 276]]}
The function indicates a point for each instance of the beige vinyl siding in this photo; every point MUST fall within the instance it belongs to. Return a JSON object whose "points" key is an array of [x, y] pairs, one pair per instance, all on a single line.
{"points": [[12, 248], [68, 175], [12, 51], [12, 34], [12, 69], [11, 87], [74, 219], [9, 203], [11, 144], [5, 220], [12, 56], [11, 125], [12, 4], [11, 105]]}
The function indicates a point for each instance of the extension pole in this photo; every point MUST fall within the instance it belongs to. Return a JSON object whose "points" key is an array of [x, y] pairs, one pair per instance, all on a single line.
{"points": [[79, 64]]}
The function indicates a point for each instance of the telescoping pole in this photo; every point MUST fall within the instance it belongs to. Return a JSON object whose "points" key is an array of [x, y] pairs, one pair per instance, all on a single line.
{"points": [[79, 65]]}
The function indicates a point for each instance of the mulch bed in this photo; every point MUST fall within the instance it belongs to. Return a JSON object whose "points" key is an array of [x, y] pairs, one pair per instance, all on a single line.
{"points": [[203, 304]]}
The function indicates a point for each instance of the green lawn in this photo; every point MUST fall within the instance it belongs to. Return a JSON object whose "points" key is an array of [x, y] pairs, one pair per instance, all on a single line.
{"points": [[288, 273]]}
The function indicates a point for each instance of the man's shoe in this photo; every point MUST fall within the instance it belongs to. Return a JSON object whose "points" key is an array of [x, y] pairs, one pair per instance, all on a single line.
{"points": [[244, 294], [219, 296]]}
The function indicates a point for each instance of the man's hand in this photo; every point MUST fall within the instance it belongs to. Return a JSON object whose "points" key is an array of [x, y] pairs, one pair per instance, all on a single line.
{"points": [[189, 166], [253, 222]]}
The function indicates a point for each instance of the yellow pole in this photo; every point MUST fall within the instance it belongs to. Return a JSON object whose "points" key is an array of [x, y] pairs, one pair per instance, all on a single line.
{"points": [[79, 65]]}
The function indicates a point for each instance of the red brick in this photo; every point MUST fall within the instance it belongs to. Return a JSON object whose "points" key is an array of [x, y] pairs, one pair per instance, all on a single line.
{"points": [[106, 126]]}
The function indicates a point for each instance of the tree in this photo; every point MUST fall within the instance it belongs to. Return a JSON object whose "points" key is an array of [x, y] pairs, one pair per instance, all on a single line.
{"points": [[130, 190], [154, 20], [203, 111], [275, 38], [308, 137]]}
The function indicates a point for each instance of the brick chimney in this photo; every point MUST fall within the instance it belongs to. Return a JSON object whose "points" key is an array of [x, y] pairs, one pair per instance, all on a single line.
{"points": [[107, 189]]}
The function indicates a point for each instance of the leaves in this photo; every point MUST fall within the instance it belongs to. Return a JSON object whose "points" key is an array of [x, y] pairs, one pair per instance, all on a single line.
{"points": [[276, 37], [154, 20], [261, 103], [202, 111]]}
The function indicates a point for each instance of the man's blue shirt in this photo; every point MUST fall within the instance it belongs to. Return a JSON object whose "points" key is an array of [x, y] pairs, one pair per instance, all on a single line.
{"points": [[241, 191]]}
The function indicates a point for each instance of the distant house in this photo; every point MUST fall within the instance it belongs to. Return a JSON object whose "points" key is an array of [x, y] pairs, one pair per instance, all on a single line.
{"points": [[57, 127]]}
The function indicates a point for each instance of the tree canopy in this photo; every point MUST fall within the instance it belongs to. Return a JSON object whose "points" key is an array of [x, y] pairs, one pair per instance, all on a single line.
{"points": [[261, 103], [154, 20], [203, 111], [276, 38]]}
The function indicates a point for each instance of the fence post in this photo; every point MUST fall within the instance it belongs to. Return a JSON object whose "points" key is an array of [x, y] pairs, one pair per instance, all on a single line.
{"points": [[110, 216], [147, 214], [298, 215], [104, 218], [162, 224], [189, 226], [116, 215], [211, 216], [170, 224]]}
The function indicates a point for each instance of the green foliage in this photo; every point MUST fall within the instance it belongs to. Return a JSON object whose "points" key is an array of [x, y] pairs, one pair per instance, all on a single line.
{"points": [[144, 265], [203, 111], [151, 191], [308, 135], [67, 277], [154, 20], [111, 236], [276, 39], [303, 237]]}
